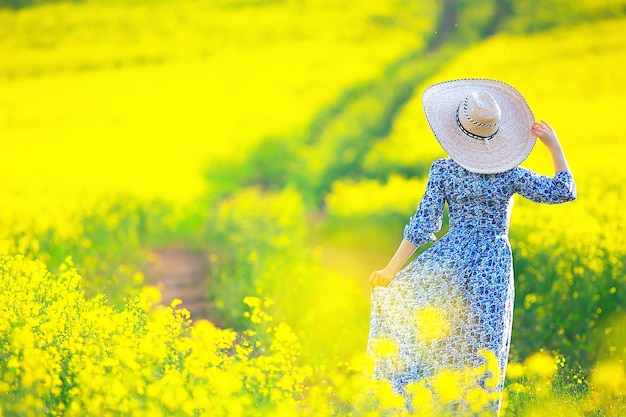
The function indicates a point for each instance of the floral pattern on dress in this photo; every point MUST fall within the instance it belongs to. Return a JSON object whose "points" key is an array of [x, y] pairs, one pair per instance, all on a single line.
{"points": [[452, 307]]}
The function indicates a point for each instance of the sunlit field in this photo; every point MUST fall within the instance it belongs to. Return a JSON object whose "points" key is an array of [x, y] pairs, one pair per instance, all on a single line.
{"points": [[285, 142], [141, 96]]}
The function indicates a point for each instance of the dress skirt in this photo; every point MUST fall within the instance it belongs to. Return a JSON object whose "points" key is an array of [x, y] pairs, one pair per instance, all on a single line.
{"points": [[450, 310]]}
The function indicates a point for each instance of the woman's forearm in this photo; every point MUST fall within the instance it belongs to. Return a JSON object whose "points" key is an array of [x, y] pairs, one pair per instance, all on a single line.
{"points": [[403, 253], [558, 159]]}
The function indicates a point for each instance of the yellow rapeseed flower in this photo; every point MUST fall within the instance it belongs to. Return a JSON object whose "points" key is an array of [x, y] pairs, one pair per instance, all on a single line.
{"points": [[384, 348], [541, 364], [421, 399], [252, 301], [431, 324], [447, 386], [514, 370], [388, 398], [361, 362], [477, 398], [492, 366], [226, 383], [609, 376], [149, 296]]}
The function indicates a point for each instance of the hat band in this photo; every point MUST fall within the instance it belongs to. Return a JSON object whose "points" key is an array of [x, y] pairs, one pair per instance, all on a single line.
{"points": [[470, 134]]}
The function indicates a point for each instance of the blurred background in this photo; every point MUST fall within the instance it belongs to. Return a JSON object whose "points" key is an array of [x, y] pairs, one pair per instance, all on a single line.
{"points": [[276, 148]]}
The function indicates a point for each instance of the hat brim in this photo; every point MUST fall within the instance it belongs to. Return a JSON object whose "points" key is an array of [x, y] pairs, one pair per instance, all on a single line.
{"points": [[507, 149]]}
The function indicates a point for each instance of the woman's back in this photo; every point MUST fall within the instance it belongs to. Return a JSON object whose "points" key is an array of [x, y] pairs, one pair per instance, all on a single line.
{"points": [[476, 200], [484, 201]]}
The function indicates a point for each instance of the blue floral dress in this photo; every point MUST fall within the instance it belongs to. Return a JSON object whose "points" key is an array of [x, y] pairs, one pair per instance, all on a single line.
{"points": [[452, 307]]}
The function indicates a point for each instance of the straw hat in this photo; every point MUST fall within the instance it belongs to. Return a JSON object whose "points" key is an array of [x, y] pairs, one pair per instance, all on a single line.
{"points": [[484, 125]]}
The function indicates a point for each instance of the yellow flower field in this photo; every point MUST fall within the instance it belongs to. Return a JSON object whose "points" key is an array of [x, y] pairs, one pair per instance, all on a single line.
{"points": [[140, 97], [286, 142]]}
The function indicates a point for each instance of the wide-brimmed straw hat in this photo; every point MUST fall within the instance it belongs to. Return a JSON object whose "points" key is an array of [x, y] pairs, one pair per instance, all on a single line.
{"points": [[484, 125]]}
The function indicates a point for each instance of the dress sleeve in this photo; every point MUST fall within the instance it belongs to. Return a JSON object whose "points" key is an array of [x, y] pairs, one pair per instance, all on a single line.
{"points": [[543, 189], [427, 219]]}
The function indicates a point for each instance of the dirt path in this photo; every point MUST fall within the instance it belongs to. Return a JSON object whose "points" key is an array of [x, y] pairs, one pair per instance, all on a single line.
{"points": [[183, 274]]}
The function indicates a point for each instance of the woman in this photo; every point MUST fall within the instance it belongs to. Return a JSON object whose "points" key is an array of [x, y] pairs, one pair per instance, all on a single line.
{"points": [[452, 307]]}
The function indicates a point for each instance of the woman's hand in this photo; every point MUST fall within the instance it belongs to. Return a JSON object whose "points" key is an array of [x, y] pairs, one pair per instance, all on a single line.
{"points": [[381, 278], [546, 134]]}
